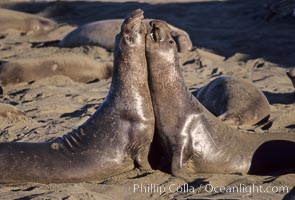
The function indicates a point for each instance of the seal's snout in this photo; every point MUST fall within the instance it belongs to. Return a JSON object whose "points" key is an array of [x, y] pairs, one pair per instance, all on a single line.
{"points": [[158, 30], [155, 34], [137, 14], [133, 22], [134, 16], [159, 24]]}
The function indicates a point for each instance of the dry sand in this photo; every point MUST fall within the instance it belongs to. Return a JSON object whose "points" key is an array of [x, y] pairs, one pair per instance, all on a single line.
{"points": [[244, 45]]}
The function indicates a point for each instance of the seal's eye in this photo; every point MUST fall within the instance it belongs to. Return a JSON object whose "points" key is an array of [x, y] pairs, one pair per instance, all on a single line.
{"points": [[171, 42]]}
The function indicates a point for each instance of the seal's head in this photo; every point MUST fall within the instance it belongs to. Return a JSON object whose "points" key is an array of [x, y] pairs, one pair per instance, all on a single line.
{"points": [[129, 54], [132, 33], [161, 54], [160, 44]]}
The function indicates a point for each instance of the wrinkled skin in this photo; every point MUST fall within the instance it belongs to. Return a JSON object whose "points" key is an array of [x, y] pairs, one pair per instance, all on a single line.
{"points": [[115, 138], [189, 138]]}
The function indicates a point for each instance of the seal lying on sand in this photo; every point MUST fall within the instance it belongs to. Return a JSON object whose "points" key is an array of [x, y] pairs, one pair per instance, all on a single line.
{"points": [[291, 75], [102, 33], [115, 138], [191, 139], [79, 68], [24, 22], [234, 100]]}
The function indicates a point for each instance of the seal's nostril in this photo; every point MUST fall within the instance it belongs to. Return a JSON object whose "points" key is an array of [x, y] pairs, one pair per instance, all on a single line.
{"points": [[152, 24]]}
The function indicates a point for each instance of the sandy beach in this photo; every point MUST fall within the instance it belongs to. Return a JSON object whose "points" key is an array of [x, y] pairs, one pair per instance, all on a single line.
{"points": [[229, 37]]}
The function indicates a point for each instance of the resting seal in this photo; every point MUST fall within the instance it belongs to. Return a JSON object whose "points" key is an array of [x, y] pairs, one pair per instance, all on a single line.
{"points": [[190, 138], [115, 138], [235, 101], [10, 19], [79, 68], [102, 33]]}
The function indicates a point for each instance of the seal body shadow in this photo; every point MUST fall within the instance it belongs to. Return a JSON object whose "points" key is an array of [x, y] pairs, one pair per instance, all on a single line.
{"points": [[115, 139], [276, 150], [193, 140]]}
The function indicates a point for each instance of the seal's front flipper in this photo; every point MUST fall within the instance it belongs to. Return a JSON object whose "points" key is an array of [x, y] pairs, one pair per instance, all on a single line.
{"points": [[141, 159], [180, 171]]}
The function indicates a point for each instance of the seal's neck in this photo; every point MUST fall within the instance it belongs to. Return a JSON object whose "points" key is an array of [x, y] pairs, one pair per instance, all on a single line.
{"points": [[171, 99], [165, 79], [130, 69]]}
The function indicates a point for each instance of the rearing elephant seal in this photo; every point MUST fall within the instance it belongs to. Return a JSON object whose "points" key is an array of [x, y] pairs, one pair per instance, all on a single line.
{"points": [[235, 101], [115, 138], [192, 140]]}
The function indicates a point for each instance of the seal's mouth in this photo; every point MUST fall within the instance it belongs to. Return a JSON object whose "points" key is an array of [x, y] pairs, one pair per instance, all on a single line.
{"points": [[156, 34]]}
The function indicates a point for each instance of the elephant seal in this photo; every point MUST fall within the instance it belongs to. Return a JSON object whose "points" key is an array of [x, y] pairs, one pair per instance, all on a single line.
{"points": [[291, 75], [102, 33], [235, 101], [24, 22], [79, 68], [114, 140], [188, 138]]}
